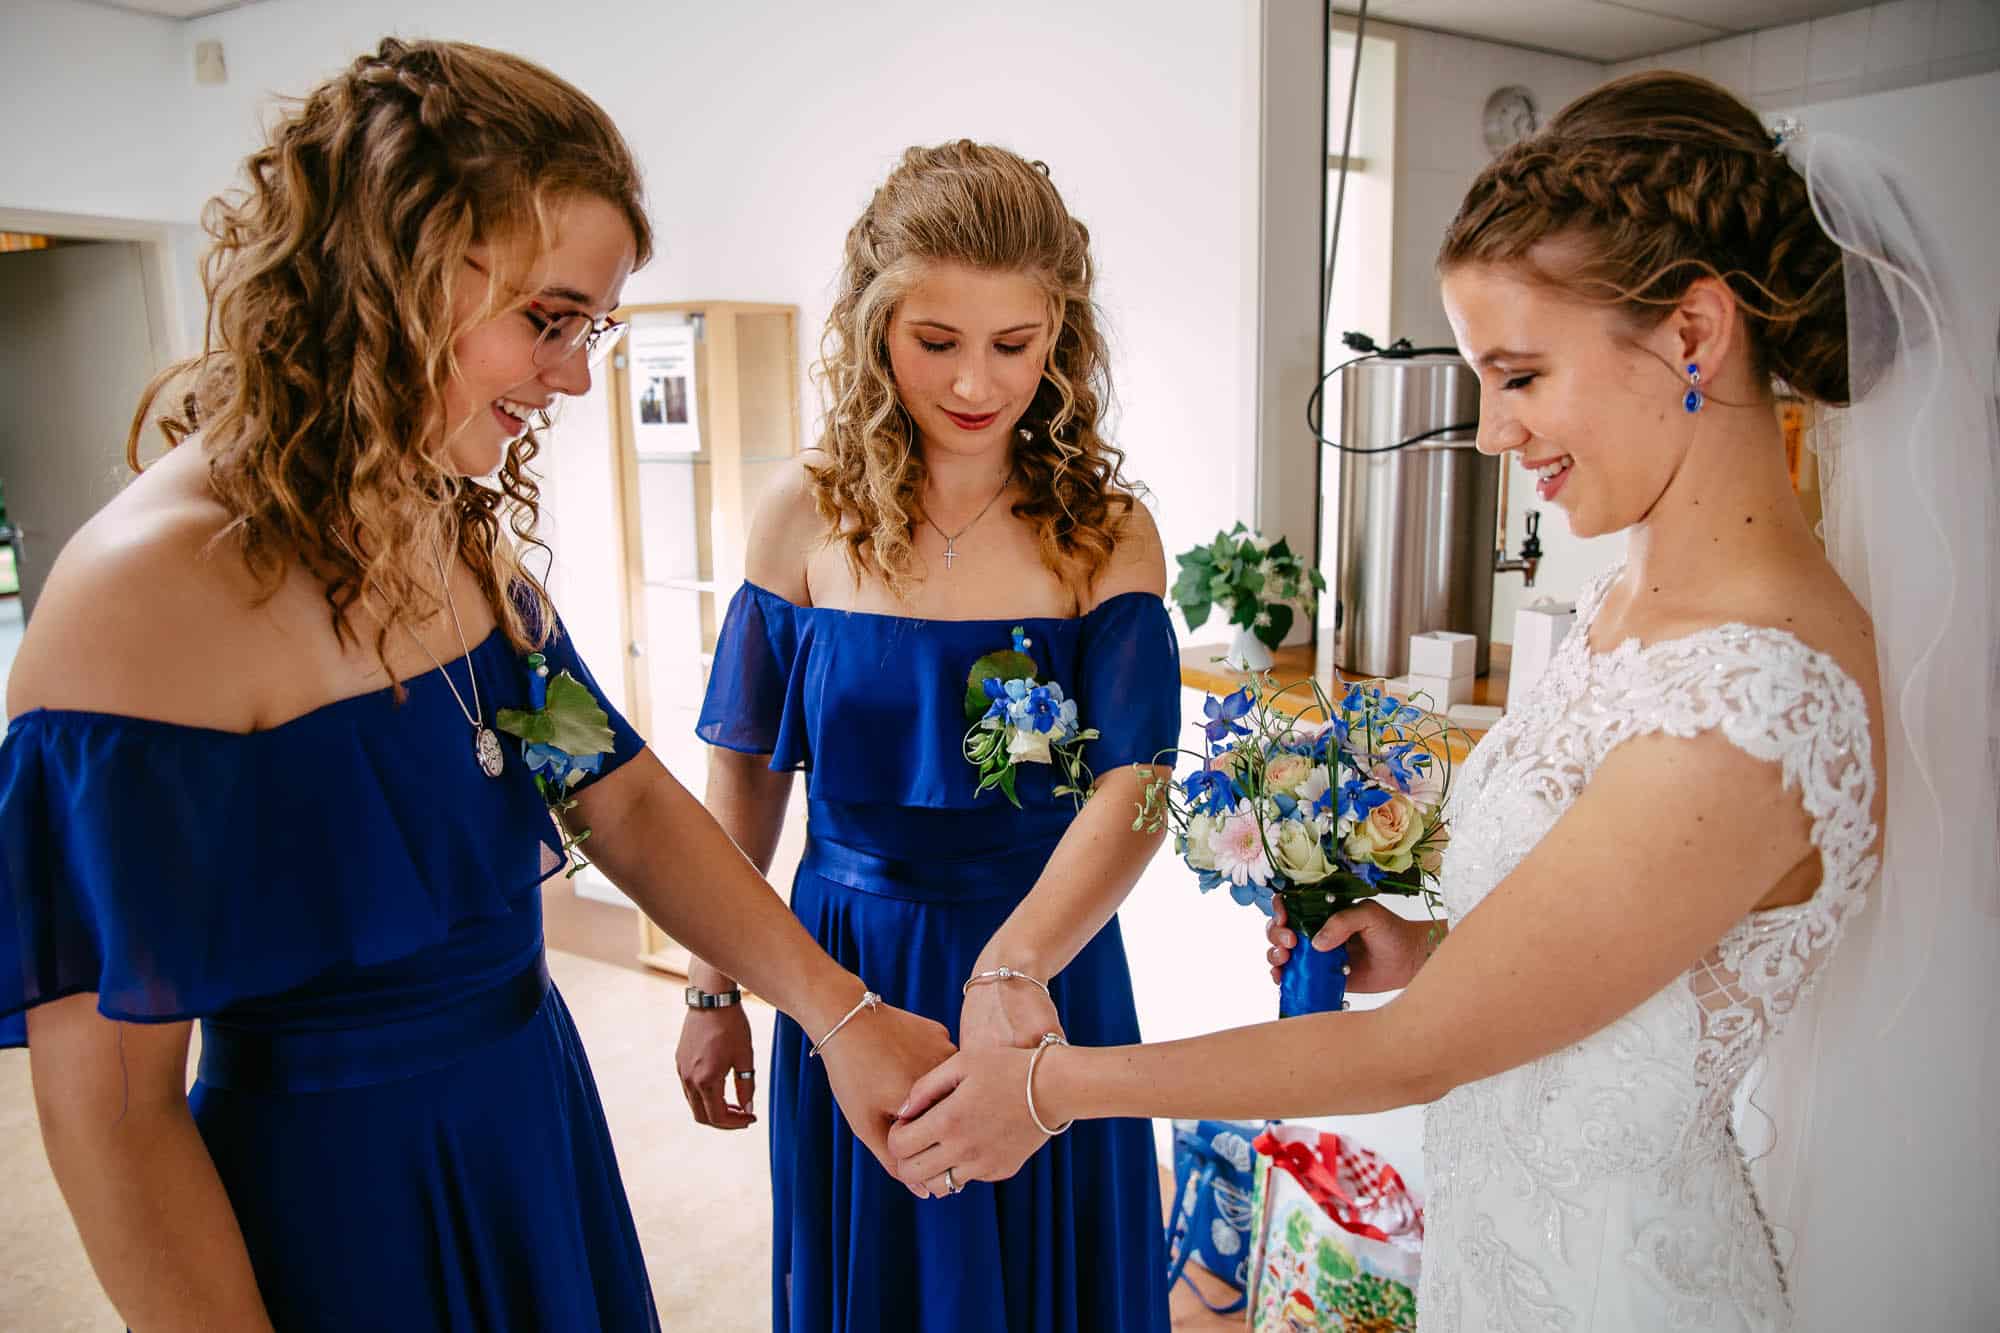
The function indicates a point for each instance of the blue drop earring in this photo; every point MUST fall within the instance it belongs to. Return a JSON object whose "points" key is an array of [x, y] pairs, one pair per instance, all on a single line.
{"points": [[1693, 401]]}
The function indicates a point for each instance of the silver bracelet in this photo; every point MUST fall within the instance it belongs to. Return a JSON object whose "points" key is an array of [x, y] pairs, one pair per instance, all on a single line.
{"points": [[1003, 973], [869, 999], [1048, 1039]]}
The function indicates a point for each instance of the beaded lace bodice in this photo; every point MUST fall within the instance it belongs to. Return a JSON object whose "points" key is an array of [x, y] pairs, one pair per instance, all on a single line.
{"points": [[1601, 1186]]}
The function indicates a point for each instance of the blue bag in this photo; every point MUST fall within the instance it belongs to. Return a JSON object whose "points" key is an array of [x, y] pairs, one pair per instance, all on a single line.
{"points": [[1214, 1181]]}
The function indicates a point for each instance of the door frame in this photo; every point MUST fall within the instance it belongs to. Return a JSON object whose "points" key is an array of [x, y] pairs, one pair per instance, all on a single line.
{"points": [[167, 324]]}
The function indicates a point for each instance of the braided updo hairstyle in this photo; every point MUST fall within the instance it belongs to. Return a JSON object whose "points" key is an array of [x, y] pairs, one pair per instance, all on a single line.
{"points": [[320, 387], [1654, 181], [989, 209]]}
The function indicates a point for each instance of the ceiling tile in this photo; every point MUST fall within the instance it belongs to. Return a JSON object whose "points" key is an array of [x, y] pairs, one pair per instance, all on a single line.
{"points": [[1579, 28], [1605, 30]]}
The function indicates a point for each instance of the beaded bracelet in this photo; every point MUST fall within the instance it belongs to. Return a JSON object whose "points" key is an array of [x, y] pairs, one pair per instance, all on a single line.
{"points": [[1048, 1039], [869, 999], [1003, 973]]}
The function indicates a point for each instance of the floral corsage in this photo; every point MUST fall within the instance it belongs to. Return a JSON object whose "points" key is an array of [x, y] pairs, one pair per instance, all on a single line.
{"points": [[1019, 718], [564, 735]]}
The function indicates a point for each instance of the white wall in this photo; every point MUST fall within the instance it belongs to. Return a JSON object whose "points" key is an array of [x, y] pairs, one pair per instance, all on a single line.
{"points": [[93, 99], [763, 127], [1441, 97]]}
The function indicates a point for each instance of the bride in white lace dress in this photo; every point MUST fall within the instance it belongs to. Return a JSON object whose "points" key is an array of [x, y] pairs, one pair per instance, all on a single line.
{"points": [[1655, 854]]}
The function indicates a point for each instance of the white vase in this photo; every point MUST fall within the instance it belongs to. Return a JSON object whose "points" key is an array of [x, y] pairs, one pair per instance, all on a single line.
{"points": [[1247, 651]]}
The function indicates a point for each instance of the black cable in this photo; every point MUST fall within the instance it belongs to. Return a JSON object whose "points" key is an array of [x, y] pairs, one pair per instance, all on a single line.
{"points": [[1340, 192], [1400, 350]]}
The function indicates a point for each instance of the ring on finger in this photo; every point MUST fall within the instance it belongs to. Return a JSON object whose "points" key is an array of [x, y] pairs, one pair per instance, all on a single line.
{"points": [[951, 1185]]}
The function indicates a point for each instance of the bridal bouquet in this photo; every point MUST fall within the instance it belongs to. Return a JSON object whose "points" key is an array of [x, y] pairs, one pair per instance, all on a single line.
{"points": [[1342, 803]]}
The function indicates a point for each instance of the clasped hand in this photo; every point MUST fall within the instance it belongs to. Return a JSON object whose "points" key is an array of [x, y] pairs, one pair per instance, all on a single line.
{"points": [[970, 1114], [917, 1105]]}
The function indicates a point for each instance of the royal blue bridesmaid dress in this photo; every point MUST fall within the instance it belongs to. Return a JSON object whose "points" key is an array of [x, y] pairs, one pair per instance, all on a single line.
{"points": [[907, 872], [390, 1087]]}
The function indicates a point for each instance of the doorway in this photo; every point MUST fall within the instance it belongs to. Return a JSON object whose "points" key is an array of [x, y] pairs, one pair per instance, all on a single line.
{"points": [[82, 330]]}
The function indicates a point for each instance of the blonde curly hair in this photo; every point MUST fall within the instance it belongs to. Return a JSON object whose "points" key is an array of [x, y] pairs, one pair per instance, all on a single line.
{"points": [[320, 387], [990, 209]]}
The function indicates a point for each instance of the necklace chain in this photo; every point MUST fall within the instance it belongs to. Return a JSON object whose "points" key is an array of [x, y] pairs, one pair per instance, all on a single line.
{"points": [[475, 716], [951, 538]]}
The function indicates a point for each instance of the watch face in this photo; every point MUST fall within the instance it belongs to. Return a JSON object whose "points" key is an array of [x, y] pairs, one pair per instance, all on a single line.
{"points": [[1509, 117]]}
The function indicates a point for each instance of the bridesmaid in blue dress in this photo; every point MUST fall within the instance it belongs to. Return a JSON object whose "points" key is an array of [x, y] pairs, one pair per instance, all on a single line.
{"points": [[961, 491], [252, 776]]}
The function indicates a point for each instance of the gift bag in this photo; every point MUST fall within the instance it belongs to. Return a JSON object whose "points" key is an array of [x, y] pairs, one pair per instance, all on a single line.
{"points": [[1338, 1238], [1210, 1220]]}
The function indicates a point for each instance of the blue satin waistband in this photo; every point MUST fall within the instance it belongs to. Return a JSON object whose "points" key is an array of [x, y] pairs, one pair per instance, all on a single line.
{"points": [[323, 1061], [1008, 874]]}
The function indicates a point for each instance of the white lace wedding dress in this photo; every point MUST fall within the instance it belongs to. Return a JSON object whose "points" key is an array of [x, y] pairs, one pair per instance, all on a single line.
{"points": [[1601, 1187]]}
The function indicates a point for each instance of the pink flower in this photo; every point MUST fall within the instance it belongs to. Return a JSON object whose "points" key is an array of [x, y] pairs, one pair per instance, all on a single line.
{"points": [[1238, 847], [1426, 789]]}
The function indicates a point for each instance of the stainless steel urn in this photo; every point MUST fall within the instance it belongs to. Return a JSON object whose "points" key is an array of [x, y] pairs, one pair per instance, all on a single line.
{"points": [[1416, 525]]}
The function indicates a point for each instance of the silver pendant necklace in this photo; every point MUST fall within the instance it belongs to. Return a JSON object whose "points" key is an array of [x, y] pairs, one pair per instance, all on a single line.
{"points": [[951, 538], [485, 744]]}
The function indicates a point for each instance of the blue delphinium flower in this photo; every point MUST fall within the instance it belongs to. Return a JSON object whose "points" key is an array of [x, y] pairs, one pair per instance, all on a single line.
{"points": [[557, 765], [1366, 871], [1223, 715], [1397, 760], [1358, 798], [1210, 791], [1257, 895], [1041, 708]]}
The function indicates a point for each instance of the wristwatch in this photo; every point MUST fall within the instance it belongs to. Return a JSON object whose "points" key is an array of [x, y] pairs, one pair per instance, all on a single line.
{"points": [[697, 998]]}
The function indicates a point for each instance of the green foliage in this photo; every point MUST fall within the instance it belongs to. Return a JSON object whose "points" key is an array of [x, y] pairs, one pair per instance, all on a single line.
{"points": [[571, 721], [1003, 665], [1259, 587]]}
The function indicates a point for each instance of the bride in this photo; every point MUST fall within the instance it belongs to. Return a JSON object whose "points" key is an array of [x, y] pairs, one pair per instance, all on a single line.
{"points": [[1655, 855]]}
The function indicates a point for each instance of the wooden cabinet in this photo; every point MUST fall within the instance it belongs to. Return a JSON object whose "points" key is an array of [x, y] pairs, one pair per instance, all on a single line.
{"points": [[684, 515]]}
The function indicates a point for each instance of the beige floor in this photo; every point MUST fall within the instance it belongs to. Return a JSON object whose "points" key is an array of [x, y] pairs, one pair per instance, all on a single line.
{"points": [[699, 1196]]}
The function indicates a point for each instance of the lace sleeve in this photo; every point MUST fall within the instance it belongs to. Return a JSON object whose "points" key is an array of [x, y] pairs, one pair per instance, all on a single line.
{"points": [[1780, 701]]}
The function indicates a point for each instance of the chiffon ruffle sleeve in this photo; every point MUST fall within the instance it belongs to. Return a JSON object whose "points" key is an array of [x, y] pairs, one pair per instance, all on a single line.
{"points": [[176, 870]]}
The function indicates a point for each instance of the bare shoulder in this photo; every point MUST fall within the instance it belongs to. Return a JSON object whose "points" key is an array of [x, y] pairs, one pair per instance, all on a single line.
{"points": [[786, 530], [145, 614], [1138, 560], [1815, 607]]}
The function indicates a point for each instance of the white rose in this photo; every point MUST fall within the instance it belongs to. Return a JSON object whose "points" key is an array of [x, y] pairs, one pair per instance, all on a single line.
{"points": [[1389, 835], [1298, 855], [1200, 841], [1288, 773], [1028, 746]]}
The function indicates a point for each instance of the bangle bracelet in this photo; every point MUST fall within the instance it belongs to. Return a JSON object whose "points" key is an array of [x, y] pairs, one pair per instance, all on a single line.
{"points": [[1003, 973], [1048, 1039], [869, 999]]}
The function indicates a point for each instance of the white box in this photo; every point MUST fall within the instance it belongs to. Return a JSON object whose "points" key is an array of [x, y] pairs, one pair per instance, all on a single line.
{"points": [[1539, 630], [1443, 652], [1444, 691], [1475, 717]]}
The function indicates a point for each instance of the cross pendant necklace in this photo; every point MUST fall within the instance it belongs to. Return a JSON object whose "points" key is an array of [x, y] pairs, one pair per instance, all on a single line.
{"points": [[951, 538]]}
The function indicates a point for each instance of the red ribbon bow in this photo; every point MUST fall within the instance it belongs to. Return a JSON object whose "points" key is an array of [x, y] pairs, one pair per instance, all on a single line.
{"points": [[1318, 1169]]}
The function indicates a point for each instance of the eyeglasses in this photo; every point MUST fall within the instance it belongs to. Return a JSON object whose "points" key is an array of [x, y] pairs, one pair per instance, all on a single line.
{"points": [[559, 333]]}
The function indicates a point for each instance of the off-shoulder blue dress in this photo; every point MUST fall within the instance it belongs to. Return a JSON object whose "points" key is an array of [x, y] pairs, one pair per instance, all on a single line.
{"points": [[391, 1089], [907, 872]]}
